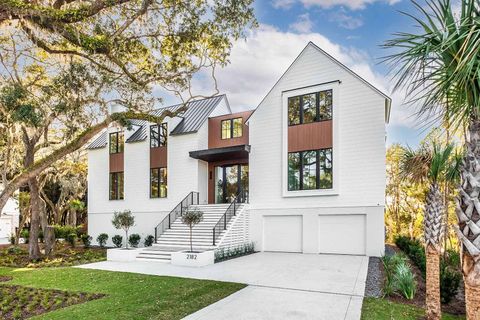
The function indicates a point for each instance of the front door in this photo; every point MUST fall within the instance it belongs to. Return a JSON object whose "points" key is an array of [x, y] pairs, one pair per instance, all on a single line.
{"points": [[231, 181]]}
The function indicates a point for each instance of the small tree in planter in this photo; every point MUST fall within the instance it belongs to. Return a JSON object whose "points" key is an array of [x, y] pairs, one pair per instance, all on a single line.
{"points": [[192, 218], [123, 220]]}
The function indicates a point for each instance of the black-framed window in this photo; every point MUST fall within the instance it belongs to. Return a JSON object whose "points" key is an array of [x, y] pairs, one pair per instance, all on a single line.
{"points": [[158, 135], [311, 107], [116, 142], [116, 186], [158, 183], [309, 170], [232, 128]]}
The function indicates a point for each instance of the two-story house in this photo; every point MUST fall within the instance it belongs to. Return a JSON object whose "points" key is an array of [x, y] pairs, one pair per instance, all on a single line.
{"points": [[302, 172]]}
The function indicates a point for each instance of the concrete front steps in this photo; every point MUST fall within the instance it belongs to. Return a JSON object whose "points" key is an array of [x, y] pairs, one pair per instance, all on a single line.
{"points": [[177, 238]]}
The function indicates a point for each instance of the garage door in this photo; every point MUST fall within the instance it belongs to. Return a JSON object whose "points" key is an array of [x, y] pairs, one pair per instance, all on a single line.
{"points": [[283, 233], [342, 234]]}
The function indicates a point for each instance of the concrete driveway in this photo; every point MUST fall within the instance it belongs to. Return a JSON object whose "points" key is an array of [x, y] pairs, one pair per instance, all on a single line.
{"points": [[281, 285]]}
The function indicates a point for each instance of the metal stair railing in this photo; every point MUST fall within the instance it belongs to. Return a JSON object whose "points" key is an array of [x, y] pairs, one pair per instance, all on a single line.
{"points": [[225, 219], [192, 198]]}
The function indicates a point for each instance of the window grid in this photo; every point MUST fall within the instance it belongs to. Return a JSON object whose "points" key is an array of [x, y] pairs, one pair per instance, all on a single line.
{"points": [[116, 142], [158, 135], [311, 107], [300, 165], [232, 128], [158, 182], [116, 186]]}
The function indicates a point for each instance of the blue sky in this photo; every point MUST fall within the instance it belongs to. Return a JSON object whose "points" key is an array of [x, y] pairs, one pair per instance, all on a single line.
{"points": [[350, 30]]}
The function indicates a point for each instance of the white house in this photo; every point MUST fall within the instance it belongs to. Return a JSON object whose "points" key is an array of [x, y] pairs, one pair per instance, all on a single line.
{"points": [[303, 172], [9, 220]]}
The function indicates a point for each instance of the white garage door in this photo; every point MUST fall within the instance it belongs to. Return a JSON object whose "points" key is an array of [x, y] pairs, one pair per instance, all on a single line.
{"points": [[283, 233], [342, 234]]}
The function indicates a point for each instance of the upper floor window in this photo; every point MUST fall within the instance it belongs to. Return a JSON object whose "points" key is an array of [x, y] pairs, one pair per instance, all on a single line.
{"points": [[116, 142], [309, 170], [116, 186], [232, 128], [158, 135], [310, 107]]}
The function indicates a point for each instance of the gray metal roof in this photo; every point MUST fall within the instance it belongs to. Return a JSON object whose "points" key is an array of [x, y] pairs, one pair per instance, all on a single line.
{"points": [[193, 118], [99, 142]]}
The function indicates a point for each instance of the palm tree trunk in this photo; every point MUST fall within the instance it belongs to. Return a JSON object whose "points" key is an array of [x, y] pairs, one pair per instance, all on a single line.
{"points": [[432, 301], [433, 225], [468, 213]]}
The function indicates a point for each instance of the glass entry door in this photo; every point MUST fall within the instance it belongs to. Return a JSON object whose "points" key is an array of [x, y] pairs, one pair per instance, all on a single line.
{"points": [[231, 181]]}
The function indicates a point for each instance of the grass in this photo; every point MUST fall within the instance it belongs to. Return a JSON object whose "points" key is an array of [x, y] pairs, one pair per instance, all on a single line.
{"points": [[381, 309], [128, 295]]}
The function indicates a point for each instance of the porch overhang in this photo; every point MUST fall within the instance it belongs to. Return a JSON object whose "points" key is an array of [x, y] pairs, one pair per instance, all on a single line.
{"points": [[219, 154]]}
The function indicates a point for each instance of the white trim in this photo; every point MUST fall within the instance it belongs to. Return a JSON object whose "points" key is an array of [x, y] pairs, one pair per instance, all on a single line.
{"points": [[335, 87]]}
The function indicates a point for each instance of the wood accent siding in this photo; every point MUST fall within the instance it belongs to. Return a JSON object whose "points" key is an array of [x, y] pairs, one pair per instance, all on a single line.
{"points": [[310, 136], [158, 157], [211, 175], [116, 162], [215, 131]]}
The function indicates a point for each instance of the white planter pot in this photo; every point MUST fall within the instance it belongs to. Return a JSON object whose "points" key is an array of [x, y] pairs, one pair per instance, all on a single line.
{"points": [[120, 254], [193, 259]]}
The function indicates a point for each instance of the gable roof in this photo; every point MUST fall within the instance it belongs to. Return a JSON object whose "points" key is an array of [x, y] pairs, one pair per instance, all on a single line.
{"points": [[192, 119], [388, 100]]}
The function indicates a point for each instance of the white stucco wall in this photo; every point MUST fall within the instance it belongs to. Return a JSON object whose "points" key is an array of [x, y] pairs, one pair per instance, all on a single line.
{"points": [[359, 153]]}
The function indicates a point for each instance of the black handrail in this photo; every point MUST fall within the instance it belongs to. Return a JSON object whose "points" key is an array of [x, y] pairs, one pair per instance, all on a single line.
{"points": [[225, 219], [192, 198]]}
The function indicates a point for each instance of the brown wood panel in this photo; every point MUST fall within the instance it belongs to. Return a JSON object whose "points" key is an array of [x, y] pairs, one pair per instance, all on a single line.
{"points": [[211, 175], [158, 157], [116, 162], [310, 136], [215, 131]]}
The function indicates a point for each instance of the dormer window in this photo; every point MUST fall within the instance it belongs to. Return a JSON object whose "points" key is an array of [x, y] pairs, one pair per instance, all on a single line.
{"points": [[232, 128], [158, 135], [116, 142]]}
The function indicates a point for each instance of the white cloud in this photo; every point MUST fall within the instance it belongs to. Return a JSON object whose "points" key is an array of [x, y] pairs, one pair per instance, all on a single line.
{"points": [[283, 4], [351, 4], [345, 20], [303, 24]]}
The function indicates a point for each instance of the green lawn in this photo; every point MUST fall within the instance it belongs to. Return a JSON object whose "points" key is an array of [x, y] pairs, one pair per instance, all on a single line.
{"points": [[129, 296], [381, 309]]}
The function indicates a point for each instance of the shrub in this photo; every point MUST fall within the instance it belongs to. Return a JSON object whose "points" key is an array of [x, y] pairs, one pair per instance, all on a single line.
{"points": [[414, 250], [71, 238], [134, 240], [117, 240], [12, 239], [25, 234], [390, 264], [449, 282], [86, 239], [222, 254], [148, 240], [405, 281], [62, 232], [102, 239]]}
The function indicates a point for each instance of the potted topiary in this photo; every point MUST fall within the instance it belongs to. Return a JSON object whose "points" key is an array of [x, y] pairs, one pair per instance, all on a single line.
{"points": [[190, 257]]}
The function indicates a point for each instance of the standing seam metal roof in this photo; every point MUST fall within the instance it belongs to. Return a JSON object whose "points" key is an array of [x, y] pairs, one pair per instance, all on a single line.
{"points": [[193, 118]]}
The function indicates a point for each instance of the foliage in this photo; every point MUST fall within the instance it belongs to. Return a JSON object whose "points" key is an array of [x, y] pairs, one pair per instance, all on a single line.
{"points": [[390, 264], [222, 254], [86, 240], [19, 302], [125, 293], [17, 257], [381, 309], [123, 220], [25, 234], [71, 238], [102, 239], [62, 232], [117, 240], [134, 240], [405, 281], [11, 239], [148, 240], [449, 282], [414, 250]]}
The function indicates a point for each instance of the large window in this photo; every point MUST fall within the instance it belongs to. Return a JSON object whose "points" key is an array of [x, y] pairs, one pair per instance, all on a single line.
{"points": [[310, 107], [158, 135], [116, 186], [308, 170], [116, 142], [232, 128], [158, 182]]}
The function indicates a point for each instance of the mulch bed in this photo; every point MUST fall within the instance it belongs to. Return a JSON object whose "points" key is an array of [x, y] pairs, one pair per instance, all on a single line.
{"points": [[456, 306], [19, 302], [5, 278]]}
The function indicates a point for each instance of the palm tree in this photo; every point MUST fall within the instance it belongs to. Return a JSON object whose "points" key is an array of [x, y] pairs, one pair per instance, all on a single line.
{"points": [[439, 66], [431, 166]]}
